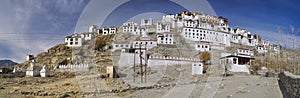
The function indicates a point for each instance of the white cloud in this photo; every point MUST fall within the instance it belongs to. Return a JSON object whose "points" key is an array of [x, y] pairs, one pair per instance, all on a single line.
{"points": [[16, 25]]}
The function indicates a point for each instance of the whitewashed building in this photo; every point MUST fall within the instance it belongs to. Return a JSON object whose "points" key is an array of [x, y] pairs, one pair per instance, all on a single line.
{"points": [[131, 27], [144, 42], [204, 35], [202, 47], [166, 38], [197, 68], [120, 45], [191, 23], [45, 72], [168, 18], [88, 35], [33, 70], [163, 27], [94, 29], [110, 30], [261, 49], [245, 52], [146, 22], [189, 15], [244, 37], [275, 48], [238, 62], [235, 63], [74, 40], [265, 42]]}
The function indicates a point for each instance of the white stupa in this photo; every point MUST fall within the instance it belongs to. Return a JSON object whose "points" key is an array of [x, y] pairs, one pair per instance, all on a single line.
{"points": [[33, 70], [45, 72]]}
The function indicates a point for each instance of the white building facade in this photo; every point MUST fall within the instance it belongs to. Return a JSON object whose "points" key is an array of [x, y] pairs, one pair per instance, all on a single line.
{"points": [[131, 27], [197, 68], [166, 38], [146, 22], [119, 46], [110, 30], [204, 35], [163, 27], [202, 47], [88, 36], [94, 29], [74, 40]]}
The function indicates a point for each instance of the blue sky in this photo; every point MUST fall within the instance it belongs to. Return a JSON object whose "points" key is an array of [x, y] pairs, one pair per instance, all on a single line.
{"points": [[33, 26]]}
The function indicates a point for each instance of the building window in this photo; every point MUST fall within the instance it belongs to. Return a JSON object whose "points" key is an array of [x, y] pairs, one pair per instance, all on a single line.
{"points": [[234, 60], [117, 45]]}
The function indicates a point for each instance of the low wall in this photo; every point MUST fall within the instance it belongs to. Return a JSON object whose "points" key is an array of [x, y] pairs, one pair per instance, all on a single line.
{"points": [[163, 62], [127, 59], [75, 67], [289, 85]]}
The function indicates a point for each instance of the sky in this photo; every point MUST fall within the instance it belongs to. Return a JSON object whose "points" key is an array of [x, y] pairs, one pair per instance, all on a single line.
{"points": [[33, 26]]}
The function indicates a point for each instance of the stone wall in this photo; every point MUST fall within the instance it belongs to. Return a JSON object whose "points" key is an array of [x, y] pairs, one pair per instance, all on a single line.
{"points": [[289, 85]]}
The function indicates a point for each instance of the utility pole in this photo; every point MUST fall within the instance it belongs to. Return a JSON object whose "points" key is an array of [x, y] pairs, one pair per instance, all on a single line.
{"points": [[282, 36], [293, 34], [134, 67], [141, 62], [146, 60]]}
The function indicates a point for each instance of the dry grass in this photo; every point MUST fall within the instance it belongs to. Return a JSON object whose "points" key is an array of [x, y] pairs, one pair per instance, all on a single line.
{"points": [[286, 60]]}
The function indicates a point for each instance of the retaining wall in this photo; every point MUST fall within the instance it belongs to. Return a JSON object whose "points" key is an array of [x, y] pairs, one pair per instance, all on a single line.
{"points": [[289, 85]]}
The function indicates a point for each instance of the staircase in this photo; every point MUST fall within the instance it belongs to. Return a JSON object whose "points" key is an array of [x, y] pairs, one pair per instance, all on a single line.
{"points": [[215, 75]]}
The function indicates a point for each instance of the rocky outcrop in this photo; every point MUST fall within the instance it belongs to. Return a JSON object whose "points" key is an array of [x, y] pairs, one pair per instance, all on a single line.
{"points": [[289, 85]]}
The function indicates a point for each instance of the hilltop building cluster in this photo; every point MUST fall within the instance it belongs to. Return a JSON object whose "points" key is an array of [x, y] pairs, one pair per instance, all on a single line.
{"points": [[201, 31]]}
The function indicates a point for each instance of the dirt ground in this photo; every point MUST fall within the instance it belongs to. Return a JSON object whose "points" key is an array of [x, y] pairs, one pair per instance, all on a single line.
{"points": [[175, 83]]}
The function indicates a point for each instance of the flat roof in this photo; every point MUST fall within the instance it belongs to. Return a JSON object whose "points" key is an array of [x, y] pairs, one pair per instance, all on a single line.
{"points": [[237, 56]]}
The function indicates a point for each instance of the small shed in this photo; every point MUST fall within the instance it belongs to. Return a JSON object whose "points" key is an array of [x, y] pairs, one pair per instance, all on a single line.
{"points": [[45, 72], [197, 69], [110, 70]]}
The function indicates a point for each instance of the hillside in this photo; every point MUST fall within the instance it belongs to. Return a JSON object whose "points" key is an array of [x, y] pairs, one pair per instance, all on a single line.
{"points": [[7, 63], [61, 54]]}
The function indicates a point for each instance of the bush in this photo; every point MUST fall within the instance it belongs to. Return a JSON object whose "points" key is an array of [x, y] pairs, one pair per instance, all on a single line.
{"points": [[99, 43], [205, 56]]}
